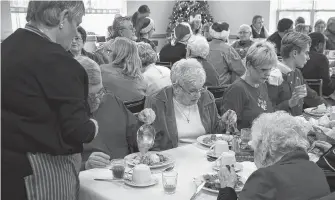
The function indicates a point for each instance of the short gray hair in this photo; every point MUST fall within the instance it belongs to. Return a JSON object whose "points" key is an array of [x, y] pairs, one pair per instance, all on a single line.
{"points": [[245, 27], [198, 46], [47, 12], [260, 54], [146, 53], [187, 71], [276, 134], [118, 24]]}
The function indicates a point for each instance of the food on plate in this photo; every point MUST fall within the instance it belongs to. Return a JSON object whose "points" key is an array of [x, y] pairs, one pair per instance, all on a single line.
{"points": [[150, 159], [211, 139], [324, 121], [213, 182], [320, 109]]}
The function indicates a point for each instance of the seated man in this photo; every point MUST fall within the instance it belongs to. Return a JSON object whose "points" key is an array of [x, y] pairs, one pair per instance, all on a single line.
{"points": [[317, 67], [117, 125], [284, 26], [293, 92]]}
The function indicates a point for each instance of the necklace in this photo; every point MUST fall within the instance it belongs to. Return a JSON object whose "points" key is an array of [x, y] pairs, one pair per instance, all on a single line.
{"points": [[181, 110]]}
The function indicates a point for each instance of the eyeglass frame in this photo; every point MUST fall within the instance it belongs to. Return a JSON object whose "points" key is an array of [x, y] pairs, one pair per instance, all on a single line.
{"points": [[201, 90]]}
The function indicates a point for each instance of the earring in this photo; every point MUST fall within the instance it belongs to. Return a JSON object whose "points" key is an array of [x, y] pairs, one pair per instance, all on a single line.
{"points": [[60, 26]]}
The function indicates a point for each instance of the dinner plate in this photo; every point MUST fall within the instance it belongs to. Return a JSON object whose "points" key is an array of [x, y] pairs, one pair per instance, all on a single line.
{"points": [[237, 167], [152, 182], [310, 112], [200, 139], [130, 160], [201, 179]]}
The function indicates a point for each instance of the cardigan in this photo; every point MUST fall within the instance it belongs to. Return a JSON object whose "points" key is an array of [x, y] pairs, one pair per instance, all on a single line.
{"points": [[165, 122], [293, 177], [255, 34]]}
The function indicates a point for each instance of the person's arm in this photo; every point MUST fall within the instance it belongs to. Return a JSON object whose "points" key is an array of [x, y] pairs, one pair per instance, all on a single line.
{"points": [[259, 186], [234, 99], [65, 86], [227, 193], [235, 62], [276, 95], [266, 32]]}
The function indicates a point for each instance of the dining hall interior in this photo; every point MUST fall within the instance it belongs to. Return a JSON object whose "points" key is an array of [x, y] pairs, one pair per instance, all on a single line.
{"points": [[168, 99]]}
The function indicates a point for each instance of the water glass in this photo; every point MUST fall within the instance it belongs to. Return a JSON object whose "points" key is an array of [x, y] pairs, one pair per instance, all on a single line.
{"points": [[245, 137], [169, 180], [118, 167]]}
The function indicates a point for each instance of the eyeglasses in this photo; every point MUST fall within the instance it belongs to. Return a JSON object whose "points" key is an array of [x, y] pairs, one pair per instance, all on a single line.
{"points": [[77, 39], [193, 92], [243, 32]]}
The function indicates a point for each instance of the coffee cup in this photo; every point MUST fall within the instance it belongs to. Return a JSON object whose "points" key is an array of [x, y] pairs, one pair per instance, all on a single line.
{"points": [[141, 174], [219, 147]]}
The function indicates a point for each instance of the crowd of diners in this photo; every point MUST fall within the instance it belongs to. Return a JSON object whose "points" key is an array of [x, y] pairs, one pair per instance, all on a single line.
{"points": [[63, 108]]}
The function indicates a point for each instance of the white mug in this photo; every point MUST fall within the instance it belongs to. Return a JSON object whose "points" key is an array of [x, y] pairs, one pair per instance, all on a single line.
{"points": [[219, 147]]}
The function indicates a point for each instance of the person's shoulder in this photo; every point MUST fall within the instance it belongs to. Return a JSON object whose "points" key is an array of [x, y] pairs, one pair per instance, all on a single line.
{"points": [[238, 86]]}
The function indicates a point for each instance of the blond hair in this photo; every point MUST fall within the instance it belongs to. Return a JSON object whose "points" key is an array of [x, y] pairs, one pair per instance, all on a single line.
{"points": [[125, 56], [260, 54], [293, 41]]}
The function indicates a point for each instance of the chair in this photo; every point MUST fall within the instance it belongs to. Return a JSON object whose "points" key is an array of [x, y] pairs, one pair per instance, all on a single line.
{"points": [[217, 92], [165, 64], [315, 83], [135, 106]]}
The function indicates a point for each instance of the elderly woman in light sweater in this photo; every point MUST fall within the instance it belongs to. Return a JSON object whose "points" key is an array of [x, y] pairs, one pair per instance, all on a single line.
{"points": [[155, 76]]}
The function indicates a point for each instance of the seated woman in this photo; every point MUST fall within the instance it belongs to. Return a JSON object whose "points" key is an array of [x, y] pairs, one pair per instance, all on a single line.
{"points": [[198, 48], [317, 67], [117, 125], [289, 95], [185, 110], [146, 32], [258, 28], [223, 57], [122, 76], [320, 26], [243, 44], [330, 34], [176, 50], [156, 77], [248, 96], [284, 170]]}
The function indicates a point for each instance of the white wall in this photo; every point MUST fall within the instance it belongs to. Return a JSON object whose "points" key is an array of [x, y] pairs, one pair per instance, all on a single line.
{"points": [[6, 22]]}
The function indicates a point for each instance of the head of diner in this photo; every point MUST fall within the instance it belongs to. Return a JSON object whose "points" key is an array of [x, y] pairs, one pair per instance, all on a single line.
{"points": [[258, 29], [284, 26], [302, 28], [293, 92], [248, 96], [330, 34], [320, 26], [186, 110], [242, 45], [280, 150], [198, 48], [44, 109]]}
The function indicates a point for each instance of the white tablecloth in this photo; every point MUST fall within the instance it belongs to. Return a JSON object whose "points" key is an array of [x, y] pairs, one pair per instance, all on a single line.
{"points": [[190, 162]]}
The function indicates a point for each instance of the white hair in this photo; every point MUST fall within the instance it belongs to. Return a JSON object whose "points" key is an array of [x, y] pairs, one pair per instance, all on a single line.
{"points": [[260, 54], [245, 27], [187, 71], [198, 46], [276, 134]]}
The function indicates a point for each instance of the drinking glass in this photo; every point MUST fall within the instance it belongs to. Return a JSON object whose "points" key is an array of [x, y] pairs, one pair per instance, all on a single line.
{"points": [[145, 138], [245, 137], [118, 167], [169, 180]]}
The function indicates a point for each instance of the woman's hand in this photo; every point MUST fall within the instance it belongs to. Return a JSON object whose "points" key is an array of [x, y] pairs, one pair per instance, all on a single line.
{"points": [[97, 160], [322, 145], [147, 116], [229, 117], [227, 177]]}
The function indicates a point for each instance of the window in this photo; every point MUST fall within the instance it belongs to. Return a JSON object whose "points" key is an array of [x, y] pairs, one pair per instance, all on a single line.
{"points": [[99, 14], [311, 10]]}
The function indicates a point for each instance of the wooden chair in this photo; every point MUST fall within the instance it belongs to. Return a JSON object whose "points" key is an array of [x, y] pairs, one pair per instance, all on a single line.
{"points": [[315, 83], [135, 106], [165, 64], [217, 92]]}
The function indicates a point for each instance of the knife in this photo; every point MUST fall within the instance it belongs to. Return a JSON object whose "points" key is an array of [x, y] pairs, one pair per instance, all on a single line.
{"points": [[198, 190]]}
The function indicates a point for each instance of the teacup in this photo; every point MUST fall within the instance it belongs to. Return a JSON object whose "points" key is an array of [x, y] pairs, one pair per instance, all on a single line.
{"points": [[219, 147], [227, 158], [141, 174]]}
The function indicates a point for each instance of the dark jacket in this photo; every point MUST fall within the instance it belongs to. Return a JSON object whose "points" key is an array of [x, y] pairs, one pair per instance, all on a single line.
{"points": [[276, 40], [317, 67], [212, 77], [165, 123], [280, 95], [327, 163], [255, 34], [171, 53], [293, 177]]}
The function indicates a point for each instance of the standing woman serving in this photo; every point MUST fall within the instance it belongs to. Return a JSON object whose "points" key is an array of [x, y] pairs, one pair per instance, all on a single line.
{"points": [[138, 18], [44, 109]]}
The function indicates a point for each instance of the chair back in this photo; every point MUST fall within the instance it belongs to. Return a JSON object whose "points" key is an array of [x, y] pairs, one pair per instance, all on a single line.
{"points": [[135, 106], [217, 92], [165, 64], [315, 84]]}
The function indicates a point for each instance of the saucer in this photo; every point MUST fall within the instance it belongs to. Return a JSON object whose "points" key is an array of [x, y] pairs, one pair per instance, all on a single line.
{"points": [[237, 167], [211, 153], [152, 182]]}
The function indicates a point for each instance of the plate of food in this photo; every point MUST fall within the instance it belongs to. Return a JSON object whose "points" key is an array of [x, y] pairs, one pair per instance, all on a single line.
{"points": [[209, 139], [152, 159], [213, 183], [319, 111]]}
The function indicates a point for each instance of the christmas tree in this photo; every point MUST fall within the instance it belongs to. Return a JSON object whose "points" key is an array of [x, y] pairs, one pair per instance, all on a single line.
{"points": [[183, 10]]}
